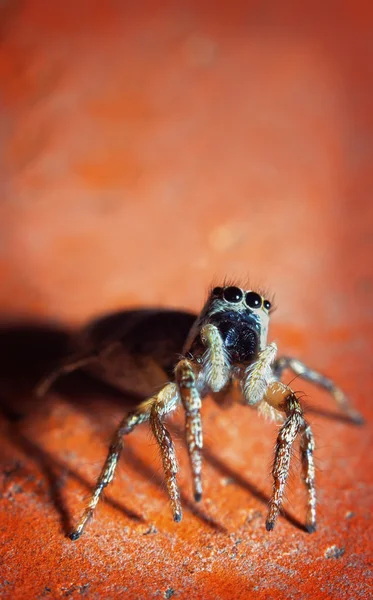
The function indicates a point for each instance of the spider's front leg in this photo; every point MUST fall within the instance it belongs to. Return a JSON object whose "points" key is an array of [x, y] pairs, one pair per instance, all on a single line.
{"points": [[214, 375], [259, 383], [281, 397]]}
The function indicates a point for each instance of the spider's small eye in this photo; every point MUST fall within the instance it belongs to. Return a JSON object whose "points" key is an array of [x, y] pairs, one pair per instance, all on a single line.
{"points": [[267, 305], [217, 291], [253, 300], [233, 294]]}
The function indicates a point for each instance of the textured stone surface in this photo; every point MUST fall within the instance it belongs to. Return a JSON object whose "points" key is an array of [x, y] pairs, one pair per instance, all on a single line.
{"points": [[147, 151]]}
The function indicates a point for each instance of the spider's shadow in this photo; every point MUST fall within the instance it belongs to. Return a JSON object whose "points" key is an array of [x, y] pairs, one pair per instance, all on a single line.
{"points": [[30, 350]]}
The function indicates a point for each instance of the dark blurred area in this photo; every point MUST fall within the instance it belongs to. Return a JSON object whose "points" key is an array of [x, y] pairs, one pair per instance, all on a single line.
{"points": [[30, 351]]}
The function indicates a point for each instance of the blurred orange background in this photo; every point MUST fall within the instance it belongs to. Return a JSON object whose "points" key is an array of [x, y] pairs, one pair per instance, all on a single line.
{"points": [[147, 150]]}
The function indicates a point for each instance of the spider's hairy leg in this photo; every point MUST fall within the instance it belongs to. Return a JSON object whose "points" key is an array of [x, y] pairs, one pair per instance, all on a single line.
{"points": [[107, 473], [216, 363], [72, 364], [258, 375], [299, 368], [307, 447], [75, 362], [191, 399], [281, 397], [153, 409], [167, 400]]}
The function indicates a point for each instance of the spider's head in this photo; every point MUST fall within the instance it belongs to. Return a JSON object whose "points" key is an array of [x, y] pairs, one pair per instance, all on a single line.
{"points": [[242, 317]]}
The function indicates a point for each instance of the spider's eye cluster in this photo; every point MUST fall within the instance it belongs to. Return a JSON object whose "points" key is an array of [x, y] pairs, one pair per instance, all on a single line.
{"points": [[235, 294]]}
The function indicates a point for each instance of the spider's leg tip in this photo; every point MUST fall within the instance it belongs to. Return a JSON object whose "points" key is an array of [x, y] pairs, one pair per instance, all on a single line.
{"points": [[270, 525], [74, 535], [311, 528], [198, 496], [178, 516], [358, 419]]}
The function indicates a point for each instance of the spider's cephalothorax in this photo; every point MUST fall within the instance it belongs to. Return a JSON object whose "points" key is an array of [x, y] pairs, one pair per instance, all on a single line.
{"points": [[241, 319], [226, 349]]}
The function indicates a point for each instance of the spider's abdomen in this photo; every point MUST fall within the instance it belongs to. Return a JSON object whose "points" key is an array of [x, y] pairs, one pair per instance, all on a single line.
{"points": [[240, 333]]}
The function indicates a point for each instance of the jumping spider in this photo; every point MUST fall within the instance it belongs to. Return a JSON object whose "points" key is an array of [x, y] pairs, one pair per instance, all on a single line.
{"points": [[226, 350]]}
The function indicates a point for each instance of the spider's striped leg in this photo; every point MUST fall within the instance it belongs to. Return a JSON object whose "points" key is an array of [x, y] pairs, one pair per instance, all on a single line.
{"points": [[307, 447], [191, 399], [153, 409], [166, 402], [215, 374], [107, 473], [281, 397], [299, 368]]}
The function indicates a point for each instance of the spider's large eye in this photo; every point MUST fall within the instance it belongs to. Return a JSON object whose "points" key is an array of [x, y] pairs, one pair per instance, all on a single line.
{"points": [[253, 300], [267, 305], [233, 294]]}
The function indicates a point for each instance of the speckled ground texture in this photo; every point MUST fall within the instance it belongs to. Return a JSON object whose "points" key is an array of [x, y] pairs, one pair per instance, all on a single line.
{"points": [[147, 150]]}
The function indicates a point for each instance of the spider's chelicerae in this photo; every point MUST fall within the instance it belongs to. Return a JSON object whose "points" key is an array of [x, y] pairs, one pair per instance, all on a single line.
{"points": [[227, 346]]}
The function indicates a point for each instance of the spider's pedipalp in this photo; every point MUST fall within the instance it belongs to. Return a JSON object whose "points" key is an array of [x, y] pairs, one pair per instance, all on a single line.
{"points": [[216, 364], [191, 399], [258, 375]]}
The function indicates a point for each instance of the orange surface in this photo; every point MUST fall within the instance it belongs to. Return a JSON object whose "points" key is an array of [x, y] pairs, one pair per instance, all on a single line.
{"points": [[147, 150]]}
